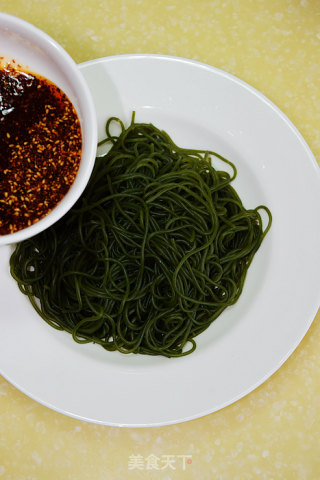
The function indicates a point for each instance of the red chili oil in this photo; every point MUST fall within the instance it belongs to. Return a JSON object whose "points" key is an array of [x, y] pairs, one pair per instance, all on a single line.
{"points": [[40, 147]]}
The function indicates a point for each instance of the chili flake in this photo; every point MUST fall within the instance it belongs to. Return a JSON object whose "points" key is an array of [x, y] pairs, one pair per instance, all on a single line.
{"points": [[40, 147]]}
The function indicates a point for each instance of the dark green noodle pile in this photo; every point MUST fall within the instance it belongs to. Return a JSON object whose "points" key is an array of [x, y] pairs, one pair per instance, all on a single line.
{"points": [[155, 249]]}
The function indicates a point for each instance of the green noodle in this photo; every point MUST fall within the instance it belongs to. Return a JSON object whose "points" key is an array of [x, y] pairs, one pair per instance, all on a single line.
{"points": [[156, 248]]}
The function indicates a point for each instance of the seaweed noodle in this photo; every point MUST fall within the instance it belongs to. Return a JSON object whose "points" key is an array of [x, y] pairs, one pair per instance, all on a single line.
{"points": [[156, 248]]}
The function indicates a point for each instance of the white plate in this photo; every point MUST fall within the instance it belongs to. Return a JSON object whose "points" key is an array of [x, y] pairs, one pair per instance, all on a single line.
{"points": [[199, 106]]}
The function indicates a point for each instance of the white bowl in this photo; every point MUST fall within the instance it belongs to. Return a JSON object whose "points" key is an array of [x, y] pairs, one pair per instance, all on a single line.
{"points": [[34, 49]]}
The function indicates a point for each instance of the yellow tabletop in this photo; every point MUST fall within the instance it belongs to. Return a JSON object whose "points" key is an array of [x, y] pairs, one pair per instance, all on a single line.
{"points": [[274, 432]]}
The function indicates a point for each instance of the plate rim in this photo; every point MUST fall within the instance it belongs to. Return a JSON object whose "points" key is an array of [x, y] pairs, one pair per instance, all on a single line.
{"points": [[218, 71]]}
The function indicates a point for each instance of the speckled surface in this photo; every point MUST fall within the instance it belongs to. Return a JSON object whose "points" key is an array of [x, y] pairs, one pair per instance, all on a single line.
{"points": [[273, 433]]}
